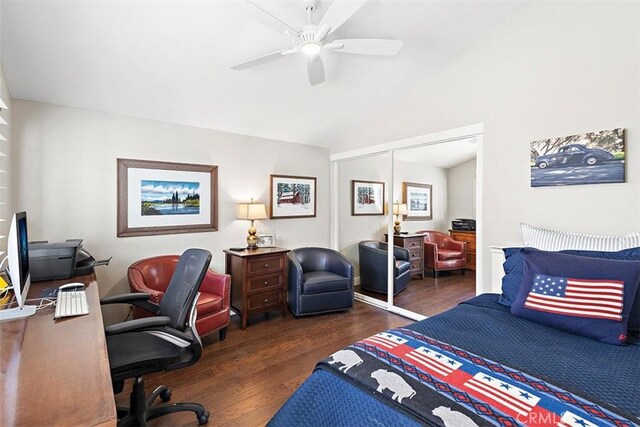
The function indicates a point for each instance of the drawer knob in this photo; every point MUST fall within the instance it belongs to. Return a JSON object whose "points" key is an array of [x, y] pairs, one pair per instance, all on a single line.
{"points": [[266, 300], [266, 266], [266, 282]]}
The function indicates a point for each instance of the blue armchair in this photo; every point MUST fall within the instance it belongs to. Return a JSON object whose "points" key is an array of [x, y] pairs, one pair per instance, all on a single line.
{"points": [[320, 280], [373, 267]]}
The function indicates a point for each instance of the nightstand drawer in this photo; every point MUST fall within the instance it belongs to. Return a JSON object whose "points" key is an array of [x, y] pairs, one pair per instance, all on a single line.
{"points": [[265, 265], [265, 282], [413, 243], [265, 299], [416, 266], [415, 253]]}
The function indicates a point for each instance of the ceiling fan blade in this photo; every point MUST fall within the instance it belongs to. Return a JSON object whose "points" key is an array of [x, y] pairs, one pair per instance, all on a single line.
{"points": [[315, 70], [270, 20], [260, 59], [367, 46], [339, 12], [321, 33]]}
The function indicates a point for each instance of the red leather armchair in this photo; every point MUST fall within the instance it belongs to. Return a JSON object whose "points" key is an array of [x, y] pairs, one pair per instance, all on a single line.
{"points": [[441, 252], [152, 275]]}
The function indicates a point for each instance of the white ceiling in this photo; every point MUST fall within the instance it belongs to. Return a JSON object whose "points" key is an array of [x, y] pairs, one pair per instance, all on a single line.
{"points": [[169, 61]]}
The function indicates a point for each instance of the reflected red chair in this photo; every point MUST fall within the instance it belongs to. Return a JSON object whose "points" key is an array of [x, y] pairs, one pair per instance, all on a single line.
{"points": [[152, 275], [442, 253]]}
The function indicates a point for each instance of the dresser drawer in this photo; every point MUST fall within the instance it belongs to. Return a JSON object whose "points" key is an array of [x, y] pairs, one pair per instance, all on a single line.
{"points": [[264, 300], [264, 265], [470, 238], [415, 254], [262, 283], [416, 266], [412, 243]]}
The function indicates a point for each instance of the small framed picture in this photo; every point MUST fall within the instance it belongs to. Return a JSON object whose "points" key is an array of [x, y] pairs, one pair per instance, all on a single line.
{"points": [[267, 241], [367, 197], [419, 201], [292, 196]]}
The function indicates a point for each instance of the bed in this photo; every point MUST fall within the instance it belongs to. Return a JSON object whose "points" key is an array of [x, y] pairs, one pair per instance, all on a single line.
{"points": [[476, 364]]}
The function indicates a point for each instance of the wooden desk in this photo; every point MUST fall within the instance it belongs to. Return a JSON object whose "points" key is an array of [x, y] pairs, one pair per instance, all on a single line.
{"points": [[56, 373]]}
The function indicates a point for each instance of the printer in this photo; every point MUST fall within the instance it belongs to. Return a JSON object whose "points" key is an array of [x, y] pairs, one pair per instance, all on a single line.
{"points": [[52, 261], [463, 224]]}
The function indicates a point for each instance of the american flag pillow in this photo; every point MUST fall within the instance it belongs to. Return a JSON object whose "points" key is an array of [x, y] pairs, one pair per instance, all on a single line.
{"points": [[591, 297], [598, 299]]}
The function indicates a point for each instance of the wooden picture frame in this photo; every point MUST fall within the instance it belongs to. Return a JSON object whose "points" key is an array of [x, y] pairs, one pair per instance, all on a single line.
{"points": [[292, 196], [419, 200], [367, 198], [166, 198]]}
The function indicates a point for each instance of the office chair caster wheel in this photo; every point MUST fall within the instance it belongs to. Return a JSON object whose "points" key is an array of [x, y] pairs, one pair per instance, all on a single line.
{"points": [[165, 395], [203, 418]]}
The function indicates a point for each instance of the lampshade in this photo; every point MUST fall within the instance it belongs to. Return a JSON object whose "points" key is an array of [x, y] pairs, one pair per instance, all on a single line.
{"points": [[252, 211], [399, 208]]}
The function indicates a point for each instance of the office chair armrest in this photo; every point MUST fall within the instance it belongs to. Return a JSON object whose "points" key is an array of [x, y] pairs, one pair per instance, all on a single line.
{"points": [[137, 325], [139, 299]]}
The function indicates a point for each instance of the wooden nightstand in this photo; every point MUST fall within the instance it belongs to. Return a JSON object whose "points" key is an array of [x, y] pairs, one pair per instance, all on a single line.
{"points": [[258, 281], [470, 238], [415, 244]]}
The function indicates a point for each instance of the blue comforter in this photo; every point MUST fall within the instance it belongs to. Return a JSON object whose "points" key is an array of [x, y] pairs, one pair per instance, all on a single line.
{"points": [[605, 374]]}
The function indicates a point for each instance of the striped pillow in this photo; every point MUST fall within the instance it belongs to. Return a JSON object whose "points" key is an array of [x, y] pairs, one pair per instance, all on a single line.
{"points": [[550, 240]]}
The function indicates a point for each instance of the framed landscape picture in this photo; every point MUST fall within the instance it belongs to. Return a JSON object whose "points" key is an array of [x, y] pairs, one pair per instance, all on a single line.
{"points": [[166, 198], [588, 158], [292, 196], [367, 198], [419, 201]]}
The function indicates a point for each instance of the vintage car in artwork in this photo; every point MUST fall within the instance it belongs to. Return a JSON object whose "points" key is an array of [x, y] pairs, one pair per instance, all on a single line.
{"points": [[574, 154]]}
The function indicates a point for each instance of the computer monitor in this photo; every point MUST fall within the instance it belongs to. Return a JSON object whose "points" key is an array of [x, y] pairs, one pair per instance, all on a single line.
{"points": [[18, 256]]}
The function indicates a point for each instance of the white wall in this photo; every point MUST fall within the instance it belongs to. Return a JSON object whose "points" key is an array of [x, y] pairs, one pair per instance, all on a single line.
{"points": [[66, 181], [551, 69], [461, 181]]}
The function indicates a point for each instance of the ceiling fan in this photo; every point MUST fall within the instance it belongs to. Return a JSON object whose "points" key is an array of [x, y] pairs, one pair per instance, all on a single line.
{"points": [[312, 39]]}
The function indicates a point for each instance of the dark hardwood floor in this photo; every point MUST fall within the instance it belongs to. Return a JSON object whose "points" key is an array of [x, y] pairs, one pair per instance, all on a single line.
{"points": [[427, 296], [245, 379]]}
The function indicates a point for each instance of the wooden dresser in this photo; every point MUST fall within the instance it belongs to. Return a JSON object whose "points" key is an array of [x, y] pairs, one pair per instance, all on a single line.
{"points": [[470, 238], [258, 281], [415, 244]]}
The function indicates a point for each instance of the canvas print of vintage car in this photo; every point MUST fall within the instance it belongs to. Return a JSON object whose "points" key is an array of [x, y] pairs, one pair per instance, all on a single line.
{"points": [[589, 158]]}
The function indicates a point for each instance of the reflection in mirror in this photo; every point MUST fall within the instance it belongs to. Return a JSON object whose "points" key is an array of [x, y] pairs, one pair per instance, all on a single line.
{"points": [[363, 187], [433, 186]]}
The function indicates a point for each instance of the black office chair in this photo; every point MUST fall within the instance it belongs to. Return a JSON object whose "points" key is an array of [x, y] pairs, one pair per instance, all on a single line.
{"points": [[152, 344], [373, 267]]}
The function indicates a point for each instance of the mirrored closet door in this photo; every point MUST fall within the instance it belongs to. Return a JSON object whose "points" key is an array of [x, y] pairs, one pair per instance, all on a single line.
{"points": [[432, 185], [363, 220]]}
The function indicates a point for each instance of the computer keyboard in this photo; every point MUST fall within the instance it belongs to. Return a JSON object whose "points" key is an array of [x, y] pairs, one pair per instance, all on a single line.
{"points": [[71, 303]]}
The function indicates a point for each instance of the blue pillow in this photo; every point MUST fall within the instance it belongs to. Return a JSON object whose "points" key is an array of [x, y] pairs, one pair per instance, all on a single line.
{"points": [[513, 269], [591, 297]]}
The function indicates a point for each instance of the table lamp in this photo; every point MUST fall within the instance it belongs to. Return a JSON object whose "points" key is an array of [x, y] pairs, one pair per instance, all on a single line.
{"points": [[398, 209], [252, 211]]}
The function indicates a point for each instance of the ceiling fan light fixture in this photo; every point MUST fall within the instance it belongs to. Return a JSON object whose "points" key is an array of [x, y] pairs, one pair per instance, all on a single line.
{"points": [[310, 48]]}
